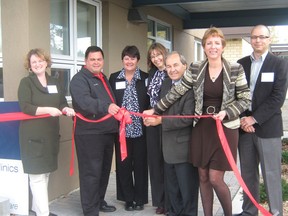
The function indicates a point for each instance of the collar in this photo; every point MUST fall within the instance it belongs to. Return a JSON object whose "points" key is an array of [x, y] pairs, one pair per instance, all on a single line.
{"points": [[136, 74], [262, 57]]}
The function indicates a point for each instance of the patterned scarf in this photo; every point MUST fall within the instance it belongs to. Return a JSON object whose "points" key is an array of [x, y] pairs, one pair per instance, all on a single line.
{"points": [[155, 86]]}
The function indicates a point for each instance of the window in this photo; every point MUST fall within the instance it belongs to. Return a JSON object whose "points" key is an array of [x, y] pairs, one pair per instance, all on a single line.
{"points": [[159, 32], [62, 73], [198, 51], [74, 26]]}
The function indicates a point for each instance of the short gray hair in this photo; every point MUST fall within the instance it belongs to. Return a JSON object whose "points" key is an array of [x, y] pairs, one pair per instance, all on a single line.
{"points": [[182, 58]]}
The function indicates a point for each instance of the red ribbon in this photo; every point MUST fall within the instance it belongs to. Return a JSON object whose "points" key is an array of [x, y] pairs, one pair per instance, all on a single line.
{"points": [[124, 117], [17, 116], [233, 165]]}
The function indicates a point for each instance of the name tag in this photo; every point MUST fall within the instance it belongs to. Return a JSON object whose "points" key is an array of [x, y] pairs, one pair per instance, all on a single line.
{"points": [[146, 82], [121, 85], [267, 77], [52, 89]]}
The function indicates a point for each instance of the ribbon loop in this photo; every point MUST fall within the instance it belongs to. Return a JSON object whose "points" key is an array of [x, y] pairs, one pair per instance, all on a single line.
{"points": [[124, 117]]}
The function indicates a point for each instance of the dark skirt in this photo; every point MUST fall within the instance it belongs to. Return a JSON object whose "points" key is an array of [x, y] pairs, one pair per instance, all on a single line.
{"points": [[206, 150]]}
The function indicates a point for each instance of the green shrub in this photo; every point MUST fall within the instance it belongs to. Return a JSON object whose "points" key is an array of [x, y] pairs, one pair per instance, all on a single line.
{"points": [[285, 141], [263, 196], [285, 157]]}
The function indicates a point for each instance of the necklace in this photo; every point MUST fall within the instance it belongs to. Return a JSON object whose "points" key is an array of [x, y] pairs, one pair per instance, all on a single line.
{"points": [[213, 79]]}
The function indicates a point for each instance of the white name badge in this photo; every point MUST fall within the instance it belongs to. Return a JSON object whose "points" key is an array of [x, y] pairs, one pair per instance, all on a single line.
{"points": [[267, 77], [52, 89], [121, 85], [146, 82]]}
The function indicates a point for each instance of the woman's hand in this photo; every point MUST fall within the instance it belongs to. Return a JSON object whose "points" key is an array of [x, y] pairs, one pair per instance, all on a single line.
{"points": [[52, 111], [68, 111], [152, 121], [149, 112], [221, 115]]}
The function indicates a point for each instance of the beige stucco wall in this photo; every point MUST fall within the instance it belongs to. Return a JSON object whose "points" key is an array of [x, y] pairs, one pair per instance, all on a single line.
{"points": [[119, 32]]}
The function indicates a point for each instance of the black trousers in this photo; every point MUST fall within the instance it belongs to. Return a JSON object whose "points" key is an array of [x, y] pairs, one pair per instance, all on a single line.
{"points": [[156, 165], [132, 173], [182, 182], [94, 153]]}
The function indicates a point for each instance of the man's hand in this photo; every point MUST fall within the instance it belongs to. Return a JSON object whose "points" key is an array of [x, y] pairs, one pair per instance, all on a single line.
{"points": [[247, 123], [113, 109]]}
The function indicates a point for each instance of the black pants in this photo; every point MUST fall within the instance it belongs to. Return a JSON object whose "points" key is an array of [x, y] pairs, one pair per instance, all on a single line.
{"points": [[156, 165], [94, 152], [132, 173]]}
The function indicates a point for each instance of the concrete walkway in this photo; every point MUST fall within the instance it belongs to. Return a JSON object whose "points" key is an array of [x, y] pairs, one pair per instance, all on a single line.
{"points": [[70, 205]]}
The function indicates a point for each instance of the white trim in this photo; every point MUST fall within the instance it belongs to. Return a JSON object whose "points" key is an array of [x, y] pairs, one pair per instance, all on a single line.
{"points": [[166, 43], [71, 61]]}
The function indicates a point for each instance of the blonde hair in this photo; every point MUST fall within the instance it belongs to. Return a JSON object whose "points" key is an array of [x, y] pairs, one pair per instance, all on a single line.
{"points": [[215, 32], [39, 53]]}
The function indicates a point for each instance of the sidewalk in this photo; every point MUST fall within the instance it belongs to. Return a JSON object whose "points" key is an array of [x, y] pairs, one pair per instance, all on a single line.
{"points": [[70, 205]]}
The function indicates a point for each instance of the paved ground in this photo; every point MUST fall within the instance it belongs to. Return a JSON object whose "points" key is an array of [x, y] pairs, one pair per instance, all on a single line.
{"points": [[70, 205]]}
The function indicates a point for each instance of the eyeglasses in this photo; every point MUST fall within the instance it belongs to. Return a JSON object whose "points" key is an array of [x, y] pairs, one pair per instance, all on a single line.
{"points": [[155, 56], [261, 37]]}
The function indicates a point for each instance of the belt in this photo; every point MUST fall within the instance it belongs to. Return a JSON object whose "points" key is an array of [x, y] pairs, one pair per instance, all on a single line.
{"points": [[211, 110]]}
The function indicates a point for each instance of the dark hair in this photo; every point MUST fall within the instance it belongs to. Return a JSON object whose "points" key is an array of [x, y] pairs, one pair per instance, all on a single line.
{"points": [[131, 51], [160, 48], [92, 49], [39, 53]]}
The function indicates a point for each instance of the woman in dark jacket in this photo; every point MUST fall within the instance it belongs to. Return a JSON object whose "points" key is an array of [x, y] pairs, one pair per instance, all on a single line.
{"points": [[38, 94], [157, 73], [130, 89]]}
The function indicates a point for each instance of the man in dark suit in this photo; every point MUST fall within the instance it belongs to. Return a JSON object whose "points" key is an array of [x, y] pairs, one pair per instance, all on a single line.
{"points": [[262, 128], [182, 182]]}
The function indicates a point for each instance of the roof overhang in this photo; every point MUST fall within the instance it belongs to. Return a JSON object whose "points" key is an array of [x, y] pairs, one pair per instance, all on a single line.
{"points": [[223, 13]]}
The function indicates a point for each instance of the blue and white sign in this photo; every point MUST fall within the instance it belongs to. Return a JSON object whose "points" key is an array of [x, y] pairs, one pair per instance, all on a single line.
{"points": [[13, 181]]}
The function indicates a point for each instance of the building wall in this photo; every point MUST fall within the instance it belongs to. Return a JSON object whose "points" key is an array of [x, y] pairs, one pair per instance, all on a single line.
{"points": [[118, 32], [25, 25], [233, 50], [236, 49]]}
